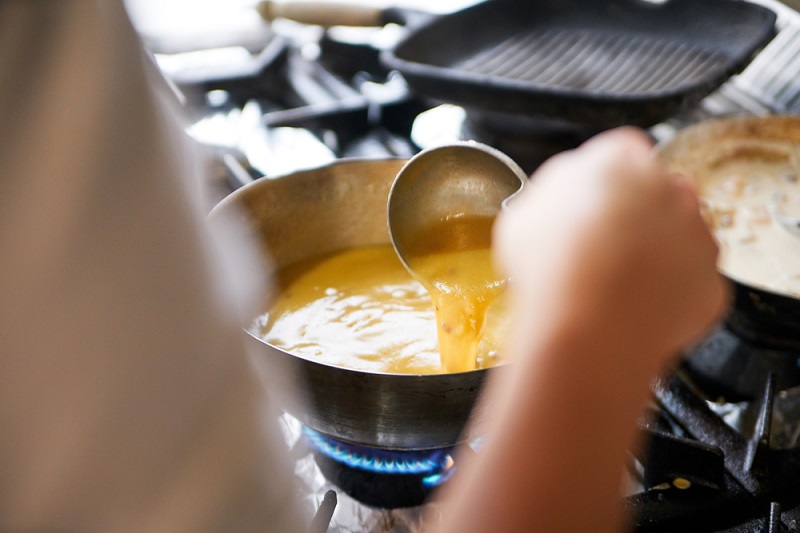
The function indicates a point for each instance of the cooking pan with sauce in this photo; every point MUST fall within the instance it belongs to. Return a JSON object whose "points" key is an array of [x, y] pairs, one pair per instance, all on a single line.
{"points": [[747, 171], [320, 211]]}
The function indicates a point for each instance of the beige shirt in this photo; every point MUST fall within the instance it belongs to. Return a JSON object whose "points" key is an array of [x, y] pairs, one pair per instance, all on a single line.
{"points": [[126, 399]]}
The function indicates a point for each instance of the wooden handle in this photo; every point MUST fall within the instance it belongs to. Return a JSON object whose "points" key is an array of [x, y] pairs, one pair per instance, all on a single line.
{"points": [[322, 13]]}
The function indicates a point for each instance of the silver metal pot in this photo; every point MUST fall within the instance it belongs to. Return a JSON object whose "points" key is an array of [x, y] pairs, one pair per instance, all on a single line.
{"points": [[339, 206]]}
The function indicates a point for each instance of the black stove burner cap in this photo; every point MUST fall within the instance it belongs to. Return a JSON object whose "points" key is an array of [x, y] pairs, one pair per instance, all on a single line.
{"points": [[729, 365], [386, 479]]}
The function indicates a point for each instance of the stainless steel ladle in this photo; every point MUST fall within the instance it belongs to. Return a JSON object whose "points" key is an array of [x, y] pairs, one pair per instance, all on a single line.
{"points": [[445, 182]]}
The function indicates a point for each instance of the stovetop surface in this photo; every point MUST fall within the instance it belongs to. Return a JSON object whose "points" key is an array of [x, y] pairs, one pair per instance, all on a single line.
{"points": [[718, 460]]}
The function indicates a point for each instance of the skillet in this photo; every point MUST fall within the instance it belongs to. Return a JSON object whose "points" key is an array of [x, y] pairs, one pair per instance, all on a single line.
{"points": [[765, 315], [595, 63]]}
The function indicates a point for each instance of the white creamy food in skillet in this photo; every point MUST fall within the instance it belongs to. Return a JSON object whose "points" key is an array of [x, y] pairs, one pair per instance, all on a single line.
{"points": [[742, 184]]}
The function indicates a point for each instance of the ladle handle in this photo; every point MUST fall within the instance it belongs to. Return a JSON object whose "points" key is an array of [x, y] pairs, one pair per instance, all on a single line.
{"points": [[322, 13]]}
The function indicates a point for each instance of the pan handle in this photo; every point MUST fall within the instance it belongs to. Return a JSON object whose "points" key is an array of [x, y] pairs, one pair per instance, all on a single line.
{"points": [[322, 13]]}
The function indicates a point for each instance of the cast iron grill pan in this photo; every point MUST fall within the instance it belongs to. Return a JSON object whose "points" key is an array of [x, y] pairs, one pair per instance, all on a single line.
{"points": [[610, 64], [591, 63]]}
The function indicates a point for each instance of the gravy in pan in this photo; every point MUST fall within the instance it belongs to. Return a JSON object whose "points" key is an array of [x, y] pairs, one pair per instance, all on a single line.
{"points": [[741, 190], [452, 259], [361, 309]]}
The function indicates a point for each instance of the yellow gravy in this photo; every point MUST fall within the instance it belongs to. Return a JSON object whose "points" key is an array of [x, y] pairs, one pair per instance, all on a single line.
{"points": [[452, 260], [361, 309]]}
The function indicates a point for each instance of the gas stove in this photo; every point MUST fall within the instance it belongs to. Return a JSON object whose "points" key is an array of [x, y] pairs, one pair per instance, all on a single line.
{"points": [[720, 450]]}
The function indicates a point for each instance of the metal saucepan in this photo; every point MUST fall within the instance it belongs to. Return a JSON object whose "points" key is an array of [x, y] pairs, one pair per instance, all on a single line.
{"points": [[764, 316], [323, 210]]}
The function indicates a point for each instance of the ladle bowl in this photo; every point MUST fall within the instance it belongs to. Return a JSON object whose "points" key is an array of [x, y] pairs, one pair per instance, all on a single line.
{"points": [[456, 180]]}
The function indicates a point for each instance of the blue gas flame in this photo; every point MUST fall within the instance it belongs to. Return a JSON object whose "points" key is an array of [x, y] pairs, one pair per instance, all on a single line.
{"points": [[430, 462]]}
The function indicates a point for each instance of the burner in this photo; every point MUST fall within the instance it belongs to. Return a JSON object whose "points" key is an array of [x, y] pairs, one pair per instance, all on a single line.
{"points": [[729, 365], [712, 476], [528, 141], [381, 478]]}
